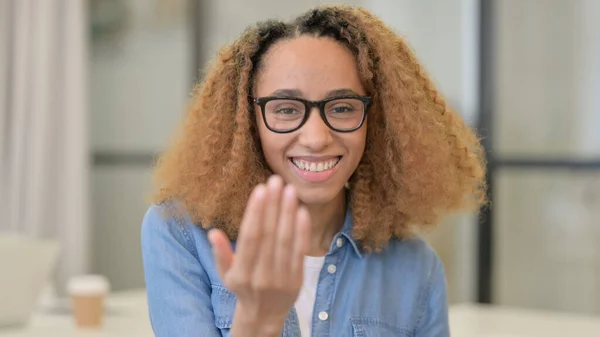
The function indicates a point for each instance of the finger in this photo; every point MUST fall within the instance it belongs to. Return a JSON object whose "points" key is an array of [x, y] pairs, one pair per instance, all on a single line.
{"points": [[222, 251], [301, 244], [264, 266], [249, 238], [285, 232]]}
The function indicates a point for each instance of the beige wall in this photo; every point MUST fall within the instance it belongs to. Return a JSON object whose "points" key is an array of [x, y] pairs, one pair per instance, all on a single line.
{"points": [[547, 222], [140, 82]]}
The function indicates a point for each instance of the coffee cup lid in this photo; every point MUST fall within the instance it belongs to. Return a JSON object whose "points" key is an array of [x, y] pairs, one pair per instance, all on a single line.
{"points": [[88, 285]]}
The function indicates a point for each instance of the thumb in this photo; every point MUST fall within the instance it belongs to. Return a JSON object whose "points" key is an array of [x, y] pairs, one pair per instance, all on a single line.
{"points": [[222, 250]]}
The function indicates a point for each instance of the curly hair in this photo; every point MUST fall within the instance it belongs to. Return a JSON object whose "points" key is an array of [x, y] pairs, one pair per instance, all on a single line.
{"points": [[421, 162]]}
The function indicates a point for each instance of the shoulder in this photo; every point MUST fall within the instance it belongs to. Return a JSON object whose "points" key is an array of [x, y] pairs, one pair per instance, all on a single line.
{"points": [[415, 249], [167, 225], [169, 234], [415, 259], [415, 270], [164, 219]]}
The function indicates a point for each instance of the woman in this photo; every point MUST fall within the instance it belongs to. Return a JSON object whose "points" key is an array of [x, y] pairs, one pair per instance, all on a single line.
{"points": [[313, 153]]}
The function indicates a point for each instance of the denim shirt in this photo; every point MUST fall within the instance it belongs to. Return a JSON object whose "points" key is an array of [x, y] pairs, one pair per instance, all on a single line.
{"points": [[400, 291]]}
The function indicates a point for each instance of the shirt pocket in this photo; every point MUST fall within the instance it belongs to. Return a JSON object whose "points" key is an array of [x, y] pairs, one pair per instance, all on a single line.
{"points": [[223, 303], [373, 327]]}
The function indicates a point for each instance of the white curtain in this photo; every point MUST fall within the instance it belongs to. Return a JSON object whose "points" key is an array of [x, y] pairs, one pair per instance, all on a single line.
{"points": [[44, 156]]}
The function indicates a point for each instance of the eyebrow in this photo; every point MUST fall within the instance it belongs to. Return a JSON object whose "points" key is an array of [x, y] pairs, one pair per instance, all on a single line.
{"points": [[341, 92], [298, 93]]}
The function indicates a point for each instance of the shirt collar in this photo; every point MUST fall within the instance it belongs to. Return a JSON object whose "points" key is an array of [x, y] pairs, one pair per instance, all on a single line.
{"points": [[347, 231]]}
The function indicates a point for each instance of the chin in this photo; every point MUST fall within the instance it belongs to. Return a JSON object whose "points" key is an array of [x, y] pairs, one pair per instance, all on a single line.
{"points": [[318, 195]]}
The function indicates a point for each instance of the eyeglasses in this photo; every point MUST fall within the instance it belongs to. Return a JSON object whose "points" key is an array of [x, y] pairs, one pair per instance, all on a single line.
{"points": [[288, 114]]}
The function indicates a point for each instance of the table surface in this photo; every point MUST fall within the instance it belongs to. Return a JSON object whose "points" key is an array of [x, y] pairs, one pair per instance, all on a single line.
{"points": [[472, 320], [127, 317]]}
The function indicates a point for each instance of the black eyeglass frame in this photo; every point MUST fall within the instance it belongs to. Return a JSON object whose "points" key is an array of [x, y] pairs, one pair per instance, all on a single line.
{"points": [[308, 105]]}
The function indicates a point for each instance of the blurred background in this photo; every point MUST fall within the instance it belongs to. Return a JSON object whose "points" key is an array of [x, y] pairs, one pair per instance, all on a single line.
{"points": [[90, 93]]}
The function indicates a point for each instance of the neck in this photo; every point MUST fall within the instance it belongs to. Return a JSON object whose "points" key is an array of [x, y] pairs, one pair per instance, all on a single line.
{"points": [[327, 220]]}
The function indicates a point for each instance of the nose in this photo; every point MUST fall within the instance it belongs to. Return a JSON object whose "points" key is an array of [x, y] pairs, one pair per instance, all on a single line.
{"points": [[315, 134]]}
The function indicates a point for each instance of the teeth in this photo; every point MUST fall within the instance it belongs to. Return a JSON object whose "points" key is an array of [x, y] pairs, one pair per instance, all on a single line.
{"points": [[315, 166]]}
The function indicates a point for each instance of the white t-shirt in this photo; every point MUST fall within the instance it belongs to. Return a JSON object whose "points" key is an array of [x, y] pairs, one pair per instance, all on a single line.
{"points": [[306, 299]]}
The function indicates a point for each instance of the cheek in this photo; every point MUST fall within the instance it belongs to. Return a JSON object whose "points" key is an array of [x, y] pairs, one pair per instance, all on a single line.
{"points": [[363, 137], [274, 154], [264, 136], [356, 143], [269, 149], [356, 147], [272, 145]]}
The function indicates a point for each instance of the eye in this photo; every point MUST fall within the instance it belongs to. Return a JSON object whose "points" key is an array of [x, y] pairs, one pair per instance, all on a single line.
{"points": [[344, 106], [286, 111], [284, 107], [341, 109]]}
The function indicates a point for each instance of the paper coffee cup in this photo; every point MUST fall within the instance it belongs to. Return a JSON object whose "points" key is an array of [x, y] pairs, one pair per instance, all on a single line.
{"points": [[87, 295]]}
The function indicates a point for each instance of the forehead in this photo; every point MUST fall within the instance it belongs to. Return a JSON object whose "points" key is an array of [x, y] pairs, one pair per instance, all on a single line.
{"points": [[311, 65]]}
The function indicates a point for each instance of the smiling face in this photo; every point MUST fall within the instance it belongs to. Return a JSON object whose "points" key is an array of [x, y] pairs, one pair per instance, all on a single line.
{"points": [[317, 160]]}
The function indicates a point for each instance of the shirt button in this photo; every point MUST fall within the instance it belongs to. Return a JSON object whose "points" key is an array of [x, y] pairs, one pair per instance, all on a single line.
{"points": [[323, 316], [339, 242], [331, 268]]}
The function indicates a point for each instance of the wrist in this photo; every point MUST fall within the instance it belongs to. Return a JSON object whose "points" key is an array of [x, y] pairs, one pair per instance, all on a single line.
{"points": [[248, 323]]}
